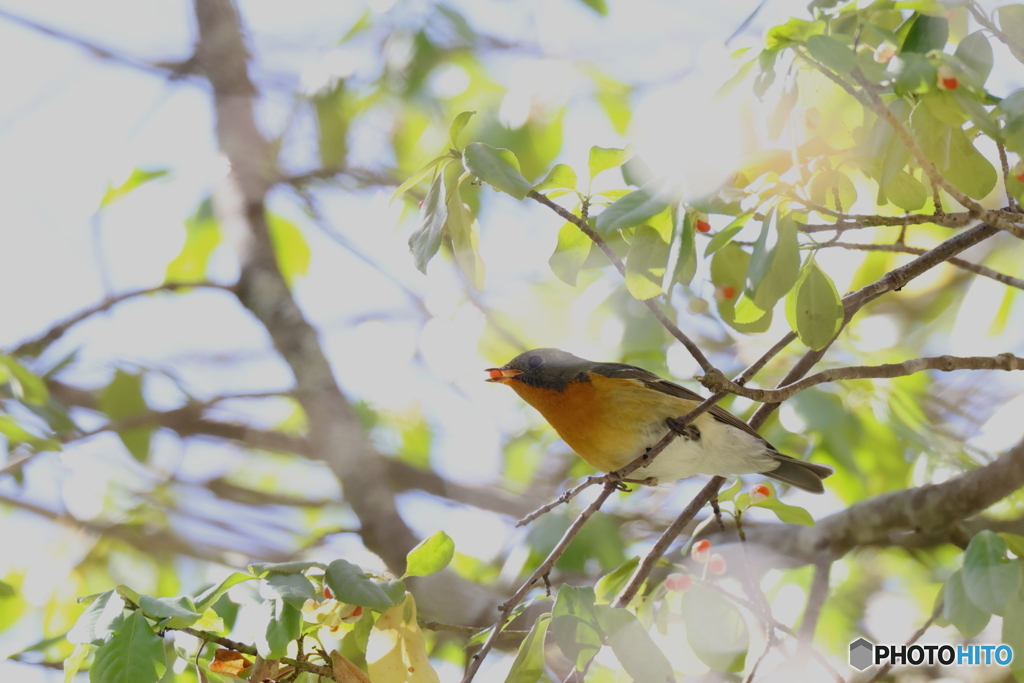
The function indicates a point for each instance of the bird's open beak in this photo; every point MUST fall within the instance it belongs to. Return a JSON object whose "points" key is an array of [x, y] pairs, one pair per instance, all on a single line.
{"points": [[502, 374]]}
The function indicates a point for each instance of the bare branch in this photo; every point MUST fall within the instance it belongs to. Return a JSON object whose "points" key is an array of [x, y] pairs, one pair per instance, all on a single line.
{"points": [[1004, 361], [33, 347]]}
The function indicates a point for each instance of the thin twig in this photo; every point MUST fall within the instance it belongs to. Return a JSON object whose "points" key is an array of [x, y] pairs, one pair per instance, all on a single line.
{"points": [[324, 671]]}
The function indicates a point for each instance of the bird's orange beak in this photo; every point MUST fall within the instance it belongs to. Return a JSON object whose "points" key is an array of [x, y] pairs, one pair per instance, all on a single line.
{"points": [[501, 375]]}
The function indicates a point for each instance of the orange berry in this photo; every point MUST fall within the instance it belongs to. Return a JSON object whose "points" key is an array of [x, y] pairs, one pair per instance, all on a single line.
{"points": [[759, 493], [328, 593], [678, 582], [701, 551], [703, 226], [717, 565], [728, 291], [947, 78]]}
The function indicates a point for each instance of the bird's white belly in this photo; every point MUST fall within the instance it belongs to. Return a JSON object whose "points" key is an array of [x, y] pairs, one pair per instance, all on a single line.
{"points": [[720, 449]]}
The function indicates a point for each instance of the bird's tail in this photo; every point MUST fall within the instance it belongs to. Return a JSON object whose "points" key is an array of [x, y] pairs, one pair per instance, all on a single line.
{"points": [[800, 473]]}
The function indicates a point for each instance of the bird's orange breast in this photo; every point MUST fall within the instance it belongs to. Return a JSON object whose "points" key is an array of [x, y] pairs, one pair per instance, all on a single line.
{"points": [[605, 420]]}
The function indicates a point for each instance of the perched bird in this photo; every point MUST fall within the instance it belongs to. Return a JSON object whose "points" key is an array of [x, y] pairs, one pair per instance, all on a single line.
{"points": [[610, 412]]}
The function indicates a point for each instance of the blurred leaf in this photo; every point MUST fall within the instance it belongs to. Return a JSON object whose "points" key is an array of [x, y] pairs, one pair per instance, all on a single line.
{"points": [[832, 53], [599, 6], [783, 109], [759, 163], [294, 567], [1013, 632], [604, 158], [927, 33], [465, 233], [729, 270], [906, 192], [636, 172], [137, 179], [134, 653], [576, 626], [26, 386], [426, 240], [290, 247], [645, 263], [635, 208], [570, 253], [826, 184], [912, 73], [122, 400], [179, 611], [498, 168], [1014, 543], [333, 112], [609, 585], [968, 169], [350, 584], [614, 98], [715, 629], [73, 663], [682, 251], [202, 235], [561, 176], [633, 646], [813, 307], [725, 235], [976, 54], [431, 555], [989, 576], [1011, 21], [958, 609], [458, 125]]}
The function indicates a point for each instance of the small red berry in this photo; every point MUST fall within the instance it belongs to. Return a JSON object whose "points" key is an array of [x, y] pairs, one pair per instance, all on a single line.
{"points": [[678, 582], [328, 593], [728, 291], [717, 565], [703, 226], [947, 78], [701, 551], [759, 493]]}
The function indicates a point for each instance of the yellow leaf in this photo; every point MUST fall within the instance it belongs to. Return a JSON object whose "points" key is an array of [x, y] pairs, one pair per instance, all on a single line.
{"points": [[395, 652]]}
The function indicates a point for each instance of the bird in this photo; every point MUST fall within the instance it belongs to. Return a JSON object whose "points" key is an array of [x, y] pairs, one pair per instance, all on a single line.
{"points": [[609, 413]]}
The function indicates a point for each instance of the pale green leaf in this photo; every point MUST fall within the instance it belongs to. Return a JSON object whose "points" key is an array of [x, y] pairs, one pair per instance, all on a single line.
{"points": [[134, 654], [426, 240], [529, 663], [645, 263], [715, 629], [958, 609], [351, 585], [989, 576], [137, 179], [498, 168], [570, 253], [431, 555], [465, 233], [458, 125]]}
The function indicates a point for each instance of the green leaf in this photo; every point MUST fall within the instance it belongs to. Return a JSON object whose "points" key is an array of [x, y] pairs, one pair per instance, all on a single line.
{"points": [[832, 53], [465, 233], [122, 400], [570, 253], [290, 247], [813, 307], [576, 626], [1013, 632], [682, 251], [978, 114], [755, 165], [1011, 21], [498, 168], [283, 625], [529, 664], [134, 654], [715, 629], [927, 33], [416, 177], [604, 158], [990, 577], [645, 263], [180, 611], [725, 235], [1013, 542], [911, 73], [906, 191], [730, 493], [976, 54], [137, 179], [395, 590], [775, 263], [431, 555], [561, 176], [426, 240], [73, 663], [968, 169], [294, 589], [350, 584], [609, 585], [790, 514], [102, 617], [599, 6], [729, 269], [826, 184], [958, 609], [633, 646], [458, 125], [932, 134], [202, 235], [635, 208], [783, 109]]}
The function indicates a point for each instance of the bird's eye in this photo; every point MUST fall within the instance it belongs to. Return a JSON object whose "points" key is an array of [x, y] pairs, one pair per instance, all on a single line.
{"points": [[535, 362]]}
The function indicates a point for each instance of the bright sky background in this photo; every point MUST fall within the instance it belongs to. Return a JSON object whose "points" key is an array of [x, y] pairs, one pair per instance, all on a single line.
{"points": [[70, 123]]}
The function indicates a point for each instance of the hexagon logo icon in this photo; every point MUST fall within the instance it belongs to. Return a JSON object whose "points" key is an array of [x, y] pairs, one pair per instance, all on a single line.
{"points": [[861, 654]]}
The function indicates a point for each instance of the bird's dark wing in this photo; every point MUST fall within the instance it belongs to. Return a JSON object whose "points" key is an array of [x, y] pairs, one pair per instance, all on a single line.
{"points": [[652, 381]]}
